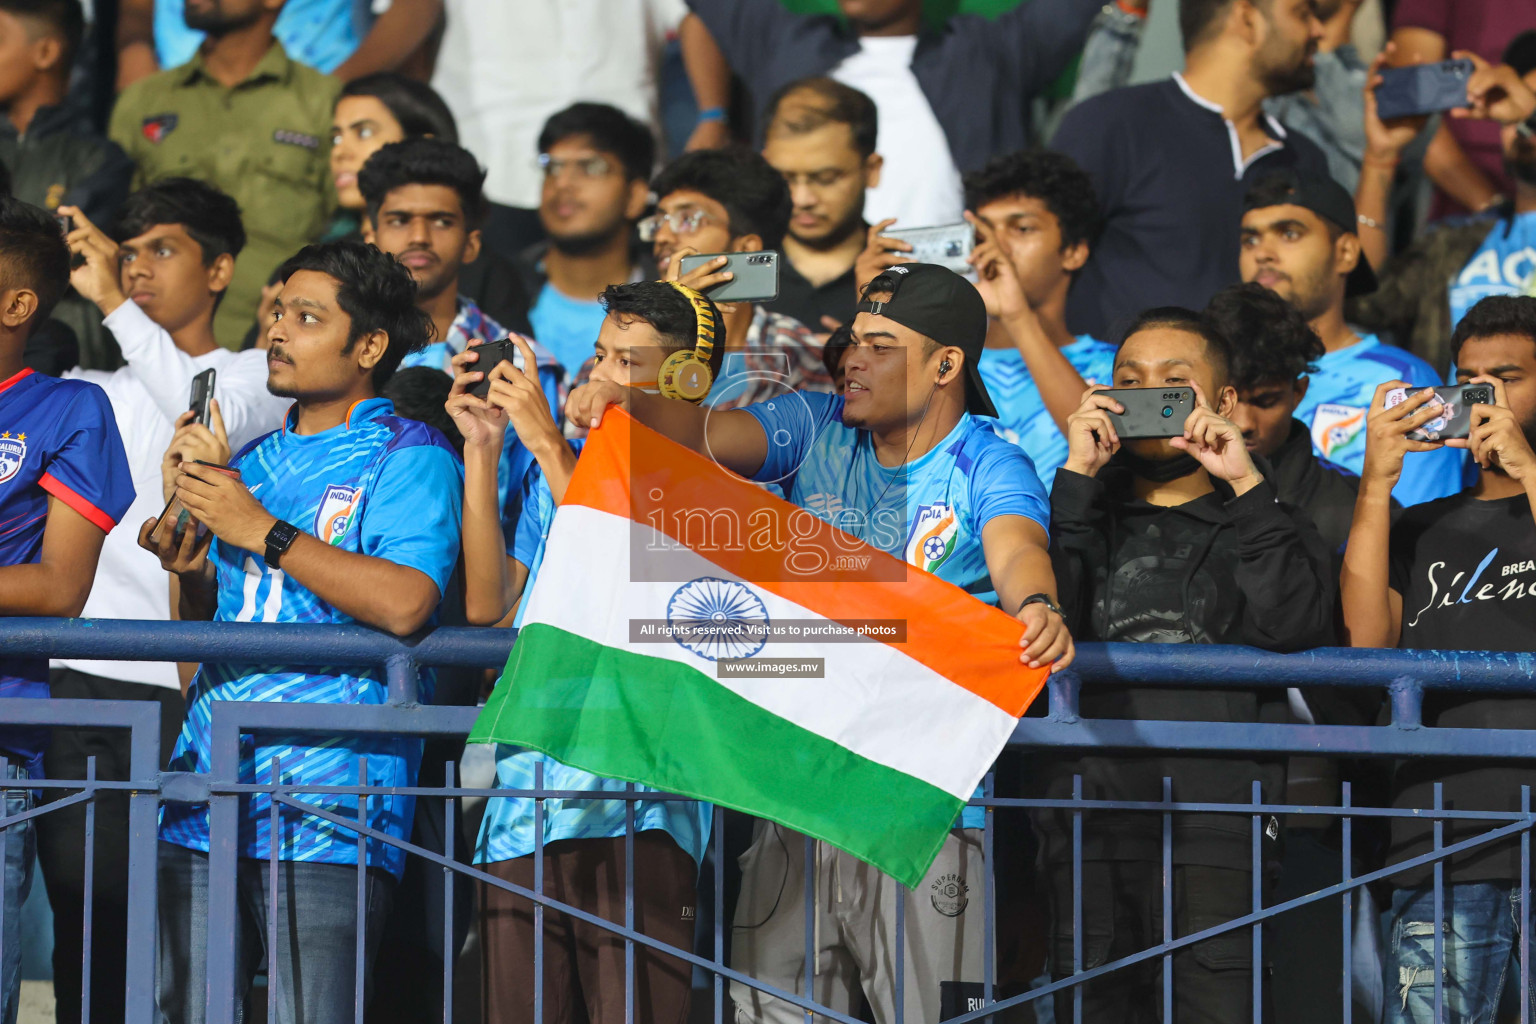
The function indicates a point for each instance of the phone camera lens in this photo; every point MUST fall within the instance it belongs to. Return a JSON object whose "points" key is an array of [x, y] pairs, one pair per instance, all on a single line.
{"points": [[1167, 410]]}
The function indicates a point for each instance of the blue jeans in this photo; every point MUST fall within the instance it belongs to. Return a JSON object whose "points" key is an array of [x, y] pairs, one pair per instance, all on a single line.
{"points": [[310, 965], [1480, 946], [18, 851]]}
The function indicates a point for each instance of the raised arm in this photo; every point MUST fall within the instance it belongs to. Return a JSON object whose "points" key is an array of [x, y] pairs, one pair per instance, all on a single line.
{"points": [[1020, 566], [733, 439]]}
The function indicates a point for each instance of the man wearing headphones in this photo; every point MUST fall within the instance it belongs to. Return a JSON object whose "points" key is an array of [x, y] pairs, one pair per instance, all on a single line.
{"points": [[900, 461], [659, 337]]}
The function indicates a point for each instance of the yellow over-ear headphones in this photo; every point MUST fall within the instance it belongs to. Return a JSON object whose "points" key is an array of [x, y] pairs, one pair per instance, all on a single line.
{"points": [[685, 374]]}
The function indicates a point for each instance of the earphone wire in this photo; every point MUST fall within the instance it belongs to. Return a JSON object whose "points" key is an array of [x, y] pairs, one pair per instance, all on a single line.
{"points": [[870, 512]]}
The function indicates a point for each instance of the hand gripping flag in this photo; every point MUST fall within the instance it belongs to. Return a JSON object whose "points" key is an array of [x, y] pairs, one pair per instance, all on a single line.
{"points": [[648, 676]]}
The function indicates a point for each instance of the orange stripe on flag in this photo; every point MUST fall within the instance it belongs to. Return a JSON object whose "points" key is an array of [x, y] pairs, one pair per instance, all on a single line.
{"points": [[631, 471]]}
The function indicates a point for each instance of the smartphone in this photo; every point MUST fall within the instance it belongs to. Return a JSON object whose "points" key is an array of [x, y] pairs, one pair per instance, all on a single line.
{"points": [[175, 516], [1151, 412], [1423, 89], [1455, 403], [492, 353], [202, 394], [947, 245], [755, 275]]}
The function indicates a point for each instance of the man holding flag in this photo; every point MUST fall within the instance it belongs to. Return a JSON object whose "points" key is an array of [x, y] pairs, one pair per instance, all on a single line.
{"points": [[902, 464]]}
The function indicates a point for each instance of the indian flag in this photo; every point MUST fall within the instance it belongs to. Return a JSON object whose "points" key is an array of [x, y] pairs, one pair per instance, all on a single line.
{"points": [[675, 617]]}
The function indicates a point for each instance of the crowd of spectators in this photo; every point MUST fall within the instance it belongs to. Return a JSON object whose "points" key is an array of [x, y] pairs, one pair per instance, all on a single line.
{"points": [[326, 208]]}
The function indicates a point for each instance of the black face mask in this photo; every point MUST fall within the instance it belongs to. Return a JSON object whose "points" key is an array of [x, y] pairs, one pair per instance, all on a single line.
{"points": [[1159, 471]]}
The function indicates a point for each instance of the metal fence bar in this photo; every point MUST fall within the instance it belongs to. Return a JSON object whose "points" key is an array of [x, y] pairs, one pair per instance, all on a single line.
{"points": [[1347, 924], [811, 920], [88, 911], [1256, 887], [1077, 899], [450, 947], [274, 829], [1167, 900], [1439, 870], [360, 953], [538, 887], [988, 895], [1525, 912]]}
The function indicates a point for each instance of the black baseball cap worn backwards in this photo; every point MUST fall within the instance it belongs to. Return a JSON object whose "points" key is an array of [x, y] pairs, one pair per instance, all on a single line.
{"points": [[1328, 199], [938, 303]]}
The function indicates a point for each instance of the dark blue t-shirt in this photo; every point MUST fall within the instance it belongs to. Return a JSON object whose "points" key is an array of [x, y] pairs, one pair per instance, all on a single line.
{"points": [[58, 439]]}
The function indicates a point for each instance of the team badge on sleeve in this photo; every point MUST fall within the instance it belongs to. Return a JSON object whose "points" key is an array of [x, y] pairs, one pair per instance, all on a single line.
{"points": [[1335, 428], [335, 515], [932, 539], [13, 451]]}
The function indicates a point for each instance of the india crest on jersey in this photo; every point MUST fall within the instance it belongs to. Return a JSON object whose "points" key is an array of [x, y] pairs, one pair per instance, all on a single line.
{"points": [[933, 536], [335, 513], [1335, 427], [13, 449]]}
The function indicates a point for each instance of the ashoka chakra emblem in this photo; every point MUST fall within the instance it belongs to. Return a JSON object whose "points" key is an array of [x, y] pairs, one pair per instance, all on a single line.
{"points": [[717, 618]]}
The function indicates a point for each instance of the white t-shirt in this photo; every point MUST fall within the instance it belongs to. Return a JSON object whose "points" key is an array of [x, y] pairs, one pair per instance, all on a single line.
{"points": [[147, 395], [919, 183], [506, 65]]}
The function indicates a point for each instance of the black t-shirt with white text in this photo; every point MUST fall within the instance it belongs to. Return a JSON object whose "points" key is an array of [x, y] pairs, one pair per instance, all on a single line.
{"points": [[1466, 570]]}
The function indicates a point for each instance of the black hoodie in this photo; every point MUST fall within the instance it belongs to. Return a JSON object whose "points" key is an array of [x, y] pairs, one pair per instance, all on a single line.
{"points": [[1215, 570]]}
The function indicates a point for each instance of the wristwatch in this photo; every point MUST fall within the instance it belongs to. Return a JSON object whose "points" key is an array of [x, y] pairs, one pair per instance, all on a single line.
{"points": [[279, 540], [1044, 599]]}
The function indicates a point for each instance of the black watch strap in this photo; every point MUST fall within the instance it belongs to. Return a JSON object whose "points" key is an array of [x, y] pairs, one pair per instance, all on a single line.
{"points": [[1044, 599], [279, 540]]}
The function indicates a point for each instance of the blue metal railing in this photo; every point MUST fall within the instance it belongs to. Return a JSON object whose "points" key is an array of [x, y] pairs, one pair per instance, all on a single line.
{"points": [[1406, 676]]}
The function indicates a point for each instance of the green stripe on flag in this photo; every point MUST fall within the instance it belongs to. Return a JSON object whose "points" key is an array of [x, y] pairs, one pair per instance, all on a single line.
{"points": [[650, 720]]}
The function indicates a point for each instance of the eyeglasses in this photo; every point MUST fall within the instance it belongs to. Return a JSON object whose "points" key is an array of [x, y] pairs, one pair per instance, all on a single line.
{"points": [[682, 222], [585, 167]]}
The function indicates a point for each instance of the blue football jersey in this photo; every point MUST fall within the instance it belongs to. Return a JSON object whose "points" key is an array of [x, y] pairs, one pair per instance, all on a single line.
{"points": [[377, 485], [1503, 265], [506, 831], [1021, 414], [928, 512], [58, 438], [1338, 401]]}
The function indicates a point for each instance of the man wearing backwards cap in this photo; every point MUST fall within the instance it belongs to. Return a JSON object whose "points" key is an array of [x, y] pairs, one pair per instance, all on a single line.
{"points": [[1298, 240], [901, 462]]}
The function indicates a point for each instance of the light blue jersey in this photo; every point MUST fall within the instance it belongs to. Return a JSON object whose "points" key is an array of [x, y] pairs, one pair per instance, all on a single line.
{"points": [[566, 326], [1503, 265], [1022, 417], [377, 485], [929, 512], [1338, 401], [320, 33], [506, 832]]}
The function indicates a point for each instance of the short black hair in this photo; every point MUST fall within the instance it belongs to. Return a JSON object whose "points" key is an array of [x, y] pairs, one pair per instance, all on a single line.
{"points": [[209, 217], [754, 195], [424, 162], [834, 103], [669, 313], [1271, 339], [421, 393], [33, 254], [611, 131], [838, 343], [1493, 316], [1218, 350], [376, 291], [416, 105], [65, 18], [1198, 19], [1053, 178]]}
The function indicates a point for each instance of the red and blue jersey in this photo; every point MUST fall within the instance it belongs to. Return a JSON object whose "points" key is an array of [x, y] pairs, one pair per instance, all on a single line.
{"points": [[58, 439]]}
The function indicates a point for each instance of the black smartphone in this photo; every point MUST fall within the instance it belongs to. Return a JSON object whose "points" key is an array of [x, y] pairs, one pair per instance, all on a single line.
{"points": [[754, 275], [491, 353], [1423, 89], [1151, 412], [202, 394], [1455, 403]]}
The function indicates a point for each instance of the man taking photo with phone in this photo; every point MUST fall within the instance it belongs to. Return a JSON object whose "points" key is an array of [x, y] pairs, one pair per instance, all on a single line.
{"points": [[732, 201], [1177, 538], [1454, 574], [157, 280]]}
